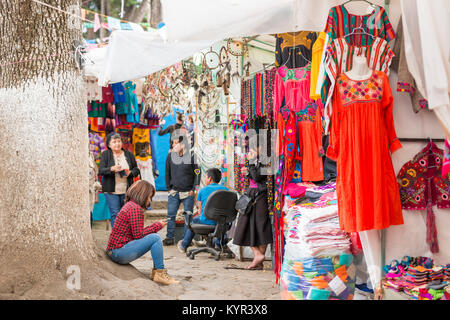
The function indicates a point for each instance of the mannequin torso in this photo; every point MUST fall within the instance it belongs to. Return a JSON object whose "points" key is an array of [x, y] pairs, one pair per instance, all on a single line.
{"points": [[360, 70]]}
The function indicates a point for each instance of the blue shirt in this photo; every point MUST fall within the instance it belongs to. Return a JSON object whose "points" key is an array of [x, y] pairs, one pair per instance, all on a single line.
{"points": [[203, 195]]}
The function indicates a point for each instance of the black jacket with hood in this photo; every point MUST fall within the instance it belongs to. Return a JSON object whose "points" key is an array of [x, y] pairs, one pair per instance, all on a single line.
{"points": [[107, 161]]}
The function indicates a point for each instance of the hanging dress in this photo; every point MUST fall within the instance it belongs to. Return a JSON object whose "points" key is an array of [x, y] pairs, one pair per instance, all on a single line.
{"points": [[292, 90], [362, 133]]}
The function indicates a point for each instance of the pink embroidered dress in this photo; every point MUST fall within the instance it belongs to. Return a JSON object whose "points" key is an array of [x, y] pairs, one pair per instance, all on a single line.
{"points": [[303, 128]]}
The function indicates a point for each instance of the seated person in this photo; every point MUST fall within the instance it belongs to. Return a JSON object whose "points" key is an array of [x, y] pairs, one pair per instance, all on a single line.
{"points": [[129, 240], [212, 179]]}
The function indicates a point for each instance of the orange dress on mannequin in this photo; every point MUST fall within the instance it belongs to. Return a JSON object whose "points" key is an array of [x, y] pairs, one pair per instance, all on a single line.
{"points": [[362, 133]]}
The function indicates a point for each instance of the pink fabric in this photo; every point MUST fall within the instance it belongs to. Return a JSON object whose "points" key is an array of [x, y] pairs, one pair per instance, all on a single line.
{"points": [[294, 91], [294, 190], [446, 164], [253, 184]]}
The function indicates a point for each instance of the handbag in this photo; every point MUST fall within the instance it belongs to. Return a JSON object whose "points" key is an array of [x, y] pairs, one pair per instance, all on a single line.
{"points": [[245, 203]]}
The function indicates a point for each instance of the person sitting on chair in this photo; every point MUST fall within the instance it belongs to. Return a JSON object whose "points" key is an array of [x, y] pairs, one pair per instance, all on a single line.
{"points": [[212, 179]]}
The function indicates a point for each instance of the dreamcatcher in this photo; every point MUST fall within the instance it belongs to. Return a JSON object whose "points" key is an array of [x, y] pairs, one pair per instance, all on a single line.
{"points": [[211, 60]]}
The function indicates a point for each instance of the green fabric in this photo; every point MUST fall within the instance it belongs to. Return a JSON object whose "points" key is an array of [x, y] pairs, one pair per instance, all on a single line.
{"points": [[98, 110]]}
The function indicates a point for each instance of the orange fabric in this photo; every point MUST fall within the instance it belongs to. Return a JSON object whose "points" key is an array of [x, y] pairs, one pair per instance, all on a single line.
{"points": [[341, 272], [362, 129], [319, 282], [310, 140], [298, 268]]}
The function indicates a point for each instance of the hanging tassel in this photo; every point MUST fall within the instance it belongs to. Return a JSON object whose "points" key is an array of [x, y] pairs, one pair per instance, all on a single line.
{"points": [[431, 229], [431, 221]]}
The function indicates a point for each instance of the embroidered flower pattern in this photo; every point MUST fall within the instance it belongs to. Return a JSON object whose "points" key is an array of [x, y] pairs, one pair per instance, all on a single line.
{"points": [[365, 90]]}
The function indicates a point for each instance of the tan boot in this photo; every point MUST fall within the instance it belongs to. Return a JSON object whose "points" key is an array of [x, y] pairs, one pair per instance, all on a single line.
{"points": [[153, 274], [162, 277]]}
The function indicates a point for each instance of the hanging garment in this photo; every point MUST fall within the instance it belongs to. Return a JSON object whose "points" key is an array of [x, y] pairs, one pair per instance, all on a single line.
{"points": [[339, 58], [362, 133], [446, 163], [406, 82], [107, 94], [98, 110], [341, 22], [317, 50], [294, 49], [96, 145], [141, 142], [422, 186], [119, 92], [131, 101], [292, 88], [93, 90]]}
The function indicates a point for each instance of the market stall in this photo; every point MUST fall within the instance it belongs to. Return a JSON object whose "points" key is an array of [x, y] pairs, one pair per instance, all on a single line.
{"points": [[345, 192]]}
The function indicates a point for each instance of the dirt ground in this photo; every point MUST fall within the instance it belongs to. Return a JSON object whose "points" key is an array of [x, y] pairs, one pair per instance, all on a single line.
{"points": [[202, 278]]}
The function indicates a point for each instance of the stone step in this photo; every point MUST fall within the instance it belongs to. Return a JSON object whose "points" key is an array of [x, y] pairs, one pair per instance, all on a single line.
{"points": [[156, 212]]}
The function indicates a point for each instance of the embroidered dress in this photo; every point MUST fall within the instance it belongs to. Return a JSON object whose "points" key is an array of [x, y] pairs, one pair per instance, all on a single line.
{"points": [[305, 130], [362, 133], [422, 186], [293, 50], [340, 55]]}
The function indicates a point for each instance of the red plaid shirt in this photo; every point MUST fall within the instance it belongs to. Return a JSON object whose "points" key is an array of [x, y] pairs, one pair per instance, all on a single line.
{"points": [[129, 226]]}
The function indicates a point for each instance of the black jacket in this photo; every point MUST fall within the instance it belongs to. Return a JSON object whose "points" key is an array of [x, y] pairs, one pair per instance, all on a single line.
{"points": [[254, 172], [170, 129], [182, 177], [109, 178]]}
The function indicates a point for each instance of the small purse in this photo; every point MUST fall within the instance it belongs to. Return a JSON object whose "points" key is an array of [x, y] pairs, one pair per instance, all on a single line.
{"points": [[245, 204]]}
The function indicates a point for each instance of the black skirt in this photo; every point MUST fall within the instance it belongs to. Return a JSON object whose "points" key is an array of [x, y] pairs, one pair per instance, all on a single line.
{"points": [[254, 228]]}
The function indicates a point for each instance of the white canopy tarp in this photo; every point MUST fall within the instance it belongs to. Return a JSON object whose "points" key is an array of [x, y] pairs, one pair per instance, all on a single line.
{"points": [[197, 24]]}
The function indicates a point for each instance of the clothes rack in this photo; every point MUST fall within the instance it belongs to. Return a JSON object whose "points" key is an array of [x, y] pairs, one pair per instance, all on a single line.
{"points": [[421, 139]]}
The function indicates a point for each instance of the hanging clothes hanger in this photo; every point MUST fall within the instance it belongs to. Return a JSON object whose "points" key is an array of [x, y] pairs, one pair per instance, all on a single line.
{"points": [[359, 0], [363, 31]]}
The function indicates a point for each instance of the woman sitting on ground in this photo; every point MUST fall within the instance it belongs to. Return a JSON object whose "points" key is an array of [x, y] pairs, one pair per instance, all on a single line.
{"points": [[129, 240]]}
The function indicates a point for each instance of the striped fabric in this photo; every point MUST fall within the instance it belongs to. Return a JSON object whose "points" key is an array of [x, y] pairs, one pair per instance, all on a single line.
{"points": [[339, 59], [340, 22]]}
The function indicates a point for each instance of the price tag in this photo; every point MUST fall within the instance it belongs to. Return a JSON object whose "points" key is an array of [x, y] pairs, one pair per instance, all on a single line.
{"points": [[337, 285]]}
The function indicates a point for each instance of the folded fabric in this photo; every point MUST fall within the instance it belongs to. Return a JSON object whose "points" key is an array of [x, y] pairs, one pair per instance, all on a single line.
{"points": [[294, 190]]}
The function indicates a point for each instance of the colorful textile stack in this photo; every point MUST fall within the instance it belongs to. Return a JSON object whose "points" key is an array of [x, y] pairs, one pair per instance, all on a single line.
{"points": [[326, 278], [418, 278], [317, 262]]}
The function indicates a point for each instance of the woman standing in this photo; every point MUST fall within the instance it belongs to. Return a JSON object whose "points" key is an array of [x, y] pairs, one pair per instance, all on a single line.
{"points": [[254, 229], [118, 168], [129, 240]]}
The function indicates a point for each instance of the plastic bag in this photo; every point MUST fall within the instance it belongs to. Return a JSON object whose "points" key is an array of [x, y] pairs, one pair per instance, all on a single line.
{"points": [[326, 278]]}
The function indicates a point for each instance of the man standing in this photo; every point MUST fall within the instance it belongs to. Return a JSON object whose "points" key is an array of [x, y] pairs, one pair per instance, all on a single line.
{"points": [[182, 178], [212, 179], [177, 128]]}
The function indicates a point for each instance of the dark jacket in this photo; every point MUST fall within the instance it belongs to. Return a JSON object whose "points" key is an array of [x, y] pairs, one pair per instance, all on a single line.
{"points": [[109, 178], [254, 173], [170, 129], [182, 177]]}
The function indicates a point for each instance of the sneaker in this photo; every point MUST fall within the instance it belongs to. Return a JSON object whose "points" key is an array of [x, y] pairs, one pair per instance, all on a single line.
{"points": [[162, 277], [180, 247], [169, 241], [198, 244]]}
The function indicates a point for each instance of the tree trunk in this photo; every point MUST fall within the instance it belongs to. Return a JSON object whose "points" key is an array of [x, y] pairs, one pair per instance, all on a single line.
{"points": [[141, 11], [156, 14], [44, 210]]}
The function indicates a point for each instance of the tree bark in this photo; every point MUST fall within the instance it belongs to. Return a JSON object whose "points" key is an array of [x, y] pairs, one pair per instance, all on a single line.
{"points": [[44, 210], [156, 13], [141, 11]]}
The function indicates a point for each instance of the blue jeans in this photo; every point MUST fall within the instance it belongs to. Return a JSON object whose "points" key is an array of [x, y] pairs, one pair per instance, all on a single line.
{"points": [[173, 205], [189, 236], [115, 202], [137, 248]]}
